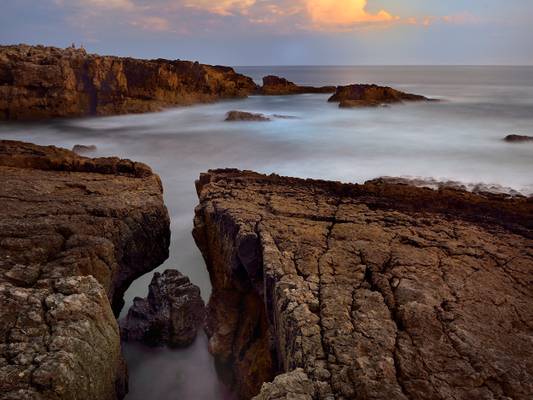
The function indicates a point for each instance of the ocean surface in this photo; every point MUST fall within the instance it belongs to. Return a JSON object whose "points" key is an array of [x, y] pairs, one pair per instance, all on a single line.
{"points": [[459, 138]]}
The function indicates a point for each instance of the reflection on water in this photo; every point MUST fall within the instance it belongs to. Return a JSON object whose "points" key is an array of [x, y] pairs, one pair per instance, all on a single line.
{"points": [[458, 139]]}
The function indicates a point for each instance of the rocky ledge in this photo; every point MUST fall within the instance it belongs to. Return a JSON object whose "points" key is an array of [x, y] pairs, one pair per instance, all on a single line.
{"points": [[360, 95], [39, 82], [170, 315], [274, 85], [74, 233], [374, 291]]}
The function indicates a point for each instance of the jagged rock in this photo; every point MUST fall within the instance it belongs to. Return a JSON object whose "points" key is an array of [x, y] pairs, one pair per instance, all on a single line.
{"points": [[170, 315], [377, 291], [274, 85], [370, 96], [245, 116], [518, 138], [294, 385], [74, 233], [46, 82], [83, 149]]}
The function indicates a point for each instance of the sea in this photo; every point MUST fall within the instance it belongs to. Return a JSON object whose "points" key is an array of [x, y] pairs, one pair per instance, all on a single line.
{"points": [[458, 138]]}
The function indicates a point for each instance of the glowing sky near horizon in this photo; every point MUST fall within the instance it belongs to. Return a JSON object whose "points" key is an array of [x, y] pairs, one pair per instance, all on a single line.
{"points": [[282, 32]]}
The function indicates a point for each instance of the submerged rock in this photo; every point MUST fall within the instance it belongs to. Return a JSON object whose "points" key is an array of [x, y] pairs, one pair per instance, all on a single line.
{"points": [[518, 138], [74, 233], [170, 315], [83, 149], [371, 96], [39, 82], [375, 291], [274, 85], [233, 116]]}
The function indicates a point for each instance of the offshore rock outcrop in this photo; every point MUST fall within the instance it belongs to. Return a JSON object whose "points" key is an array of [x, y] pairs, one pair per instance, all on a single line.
{"points": [[38, 82], [362, 95], [170, 315], [274, 85], [233, 116], [74, 233], [518, 138], [374, 291]]}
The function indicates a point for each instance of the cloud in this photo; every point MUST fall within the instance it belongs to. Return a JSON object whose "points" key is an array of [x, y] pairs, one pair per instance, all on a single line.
{"points": [[150, 23], [221, 7], [344, 12], [125, 5]]}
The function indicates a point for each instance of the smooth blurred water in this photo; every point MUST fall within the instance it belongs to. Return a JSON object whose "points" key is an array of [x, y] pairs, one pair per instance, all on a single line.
{"points": [[457, 139]]}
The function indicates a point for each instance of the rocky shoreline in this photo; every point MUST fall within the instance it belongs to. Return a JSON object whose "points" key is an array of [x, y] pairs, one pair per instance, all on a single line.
{"points": [[75, 232], [375, 291]]}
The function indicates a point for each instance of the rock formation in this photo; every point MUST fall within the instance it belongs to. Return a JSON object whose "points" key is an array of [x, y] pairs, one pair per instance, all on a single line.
{"points": [[233, 116], [375, 291], [39, 82], [518, 138], [370, 96], [74, 233], [170, 315], [274, 85]]}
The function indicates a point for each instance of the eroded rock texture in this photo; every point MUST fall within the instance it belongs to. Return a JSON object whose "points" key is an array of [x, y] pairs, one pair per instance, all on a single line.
{"points": [[376, 291], [363, 95], [74, 233], [170, 315], [274, 85], [46, 82]]}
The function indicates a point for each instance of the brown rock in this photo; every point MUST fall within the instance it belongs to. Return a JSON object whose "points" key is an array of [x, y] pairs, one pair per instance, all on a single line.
{"points": [[376, 291], [370, 96], [74, 233], [46, 82], [170, 315], [518, 138], [233, 116], [274, 85]]}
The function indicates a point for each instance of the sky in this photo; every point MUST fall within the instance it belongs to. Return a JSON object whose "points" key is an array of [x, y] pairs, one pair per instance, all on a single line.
{"points": [[282, 32]]}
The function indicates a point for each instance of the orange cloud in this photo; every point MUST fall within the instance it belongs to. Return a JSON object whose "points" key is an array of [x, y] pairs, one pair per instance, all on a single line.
{"points": [[344, 12], [156, 24], [221, 7]]}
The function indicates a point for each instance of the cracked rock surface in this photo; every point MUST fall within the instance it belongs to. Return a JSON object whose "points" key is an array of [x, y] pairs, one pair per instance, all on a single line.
{"points": [[375, 291], [170, 315], [74, 233]]}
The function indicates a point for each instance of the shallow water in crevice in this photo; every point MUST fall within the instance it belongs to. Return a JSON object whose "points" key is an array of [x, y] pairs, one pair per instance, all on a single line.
{"points": [[457, 139]]}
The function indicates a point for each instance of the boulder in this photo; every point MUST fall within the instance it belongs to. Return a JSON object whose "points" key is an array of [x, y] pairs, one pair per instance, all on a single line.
{"points": [[74, 233], [518, 138], [371, 96], [373, 291], [233, 116], [170, 315]]}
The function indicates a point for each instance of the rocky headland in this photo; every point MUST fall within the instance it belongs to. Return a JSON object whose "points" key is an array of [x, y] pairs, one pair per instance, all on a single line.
{"points": [[362, 95], [277, 86], [170, 315], [38, 82], [75, 232], [374, 291]]}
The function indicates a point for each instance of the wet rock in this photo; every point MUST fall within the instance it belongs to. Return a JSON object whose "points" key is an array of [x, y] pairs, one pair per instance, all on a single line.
{"points": [[170, 315], [375, 291], [39, 82], [274, 85], [74, 233], [294, 385], [83, 149], [518, 138], [371, 96], [233, 116]]}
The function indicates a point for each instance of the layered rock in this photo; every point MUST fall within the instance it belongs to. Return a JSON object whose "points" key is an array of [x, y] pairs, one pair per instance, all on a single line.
{"points": [[274, 85], [375, 291], [74, 233], [170, 315], [46, 82], [371, 96]]}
